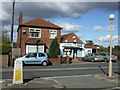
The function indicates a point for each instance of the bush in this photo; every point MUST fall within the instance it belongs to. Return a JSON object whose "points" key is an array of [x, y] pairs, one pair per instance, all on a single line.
{"points": [[5, 48], [54, 50], [47, 53]]}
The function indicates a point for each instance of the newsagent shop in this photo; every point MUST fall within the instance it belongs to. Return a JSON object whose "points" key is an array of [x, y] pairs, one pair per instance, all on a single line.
{"points": [[71, 46]]}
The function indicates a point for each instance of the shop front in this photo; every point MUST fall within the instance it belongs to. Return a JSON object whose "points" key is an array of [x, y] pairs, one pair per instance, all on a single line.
{"points": [[73, 50]]}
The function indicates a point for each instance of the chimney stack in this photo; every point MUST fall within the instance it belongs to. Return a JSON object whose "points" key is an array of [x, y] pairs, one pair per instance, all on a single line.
{"points": [[20, 18]]}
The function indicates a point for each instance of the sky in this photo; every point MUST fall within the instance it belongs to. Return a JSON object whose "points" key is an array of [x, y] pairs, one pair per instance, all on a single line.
{"points": [[88, 20]]}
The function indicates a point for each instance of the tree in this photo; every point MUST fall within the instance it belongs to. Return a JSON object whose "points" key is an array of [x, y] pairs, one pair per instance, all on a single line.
{"points": [[5, 45], [54, 50], [89, 43], [103, 49], [5, 37], [116, 50]]}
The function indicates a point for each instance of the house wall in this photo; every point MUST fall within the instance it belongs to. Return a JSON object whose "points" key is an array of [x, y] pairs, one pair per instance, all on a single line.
{"points": [[45, 34], [5, 61]]}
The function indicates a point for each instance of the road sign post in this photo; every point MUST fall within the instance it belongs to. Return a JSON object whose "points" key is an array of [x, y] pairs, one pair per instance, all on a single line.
{"points": [[18, 72]]}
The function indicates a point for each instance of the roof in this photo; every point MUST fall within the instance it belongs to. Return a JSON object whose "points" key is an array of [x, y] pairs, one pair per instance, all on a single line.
{"points": [[41, 23], [65, 36], [34, 41], [92, 47]]}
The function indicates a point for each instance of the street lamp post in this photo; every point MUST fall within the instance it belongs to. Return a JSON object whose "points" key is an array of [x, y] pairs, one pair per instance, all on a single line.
{"points": [[111, 16]]}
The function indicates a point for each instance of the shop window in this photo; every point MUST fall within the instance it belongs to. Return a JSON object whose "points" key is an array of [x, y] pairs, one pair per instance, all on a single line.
{"points": [[35, 33], [53, 34]]}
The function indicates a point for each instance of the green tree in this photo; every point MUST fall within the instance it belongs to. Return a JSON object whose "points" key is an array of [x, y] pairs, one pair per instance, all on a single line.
{"points": [[54, 50], [5, 44], [89, 43], [5, 37], [116, 50]]}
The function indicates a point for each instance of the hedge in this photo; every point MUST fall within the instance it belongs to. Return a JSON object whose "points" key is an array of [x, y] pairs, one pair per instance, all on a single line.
{"points": [[4, 48]]}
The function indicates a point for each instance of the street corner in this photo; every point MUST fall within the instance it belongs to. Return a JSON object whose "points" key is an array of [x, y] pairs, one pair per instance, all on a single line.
{"points": [[35, 83], [112, 79]]}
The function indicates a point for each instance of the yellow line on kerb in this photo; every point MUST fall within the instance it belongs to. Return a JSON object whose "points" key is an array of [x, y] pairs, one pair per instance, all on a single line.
{"points": [[59, 69]]}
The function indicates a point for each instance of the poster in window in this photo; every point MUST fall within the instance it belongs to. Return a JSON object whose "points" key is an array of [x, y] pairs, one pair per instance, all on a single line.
{"points": [[79, 53]]}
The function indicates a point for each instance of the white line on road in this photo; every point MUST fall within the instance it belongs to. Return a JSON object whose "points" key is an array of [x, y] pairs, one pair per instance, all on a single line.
{"points": [[67, 76]]}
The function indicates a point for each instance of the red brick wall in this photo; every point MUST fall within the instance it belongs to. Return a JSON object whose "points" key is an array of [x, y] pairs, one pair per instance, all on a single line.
{"points": [[5, 60], [55, 61], [44, 37]]}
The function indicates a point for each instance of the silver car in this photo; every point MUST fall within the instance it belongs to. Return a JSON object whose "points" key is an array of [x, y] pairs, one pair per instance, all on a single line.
{"points": [[34, 58], [107, 57], [93, 57]]}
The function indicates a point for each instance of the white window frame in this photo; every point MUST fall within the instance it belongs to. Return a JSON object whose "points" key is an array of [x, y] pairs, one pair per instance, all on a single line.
{"points": [[53, 31], [35, 46], [35, 30]]}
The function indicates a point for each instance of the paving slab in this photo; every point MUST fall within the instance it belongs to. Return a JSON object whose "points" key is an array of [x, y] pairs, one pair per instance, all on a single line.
{"points": [[35, 83]]}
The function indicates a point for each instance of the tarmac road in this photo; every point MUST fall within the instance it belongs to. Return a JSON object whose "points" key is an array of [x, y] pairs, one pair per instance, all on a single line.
{"points": [[77, 68]]}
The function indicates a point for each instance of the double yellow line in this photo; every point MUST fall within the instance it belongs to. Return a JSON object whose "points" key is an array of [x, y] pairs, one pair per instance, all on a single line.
{"points": [[55, 69]]}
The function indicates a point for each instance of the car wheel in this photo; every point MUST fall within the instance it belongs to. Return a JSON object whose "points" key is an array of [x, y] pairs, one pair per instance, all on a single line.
{"points": [[105, 60], [44, 63], [93, 60]]}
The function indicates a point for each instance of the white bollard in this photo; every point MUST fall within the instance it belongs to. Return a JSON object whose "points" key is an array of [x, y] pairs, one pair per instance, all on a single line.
{"points": [[18, 72]]}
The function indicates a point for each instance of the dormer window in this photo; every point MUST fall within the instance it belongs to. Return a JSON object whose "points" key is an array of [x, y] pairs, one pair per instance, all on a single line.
{"points": [[35, 33], [53, 34]]}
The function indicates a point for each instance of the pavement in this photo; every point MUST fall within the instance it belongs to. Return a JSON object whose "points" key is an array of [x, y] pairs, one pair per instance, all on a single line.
{"points": [[79, 81], [33, 83]]}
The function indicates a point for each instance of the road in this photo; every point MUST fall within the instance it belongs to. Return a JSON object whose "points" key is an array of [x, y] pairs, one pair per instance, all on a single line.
{"points": [[76, 68]]}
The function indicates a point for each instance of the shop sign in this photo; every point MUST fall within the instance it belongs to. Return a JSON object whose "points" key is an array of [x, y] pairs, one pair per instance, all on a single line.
{"points": [[67, 50], [72, 44]]}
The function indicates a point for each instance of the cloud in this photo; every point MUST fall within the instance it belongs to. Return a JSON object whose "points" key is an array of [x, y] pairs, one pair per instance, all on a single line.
{"points": [[114, 27], [97, 28], [68, 27], [100, 28], [80, 35], [7, 31], [53, 9], [105, 40]]}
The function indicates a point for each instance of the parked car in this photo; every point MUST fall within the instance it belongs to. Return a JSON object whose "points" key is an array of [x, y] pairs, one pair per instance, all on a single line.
{"points": [[34, 58], [107, 57], [93, 57]]}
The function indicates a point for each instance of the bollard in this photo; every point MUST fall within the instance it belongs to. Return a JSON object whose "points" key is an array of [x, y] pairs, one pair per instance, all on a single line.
{"points": [[18, 72]]}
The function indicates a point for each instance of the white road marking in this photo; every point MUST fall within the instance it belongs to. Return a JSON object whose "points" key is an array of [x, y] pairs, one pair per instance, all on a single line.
{"points": [[67, 76]]}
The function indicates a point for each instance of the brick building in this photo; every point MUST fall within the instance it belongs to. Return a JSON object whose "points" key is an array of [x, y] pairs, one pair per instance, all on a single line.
{"points": [[36, 35], [72, 46]]}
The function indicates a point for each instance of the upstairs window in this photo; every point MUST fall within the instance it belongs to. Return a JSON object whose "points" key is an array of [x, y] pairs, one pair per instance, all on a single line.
{"points": [[53, 34], [35, 33]]}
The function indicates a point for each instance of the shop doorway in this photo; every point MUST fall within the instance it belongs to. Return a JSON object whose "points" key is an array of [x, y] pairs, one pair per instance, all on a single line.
{"points": [[93, 50]]}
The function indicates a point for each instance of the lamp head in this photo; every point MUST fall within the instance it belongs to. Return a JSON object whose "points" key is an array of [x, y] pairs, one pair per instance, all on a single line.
{"points": [[111, 16]]}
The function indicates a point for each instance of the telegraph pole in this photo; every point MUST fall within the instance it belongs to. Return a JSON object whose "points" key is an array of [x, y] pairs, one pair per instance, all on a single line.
{"points": [[12, 27]]}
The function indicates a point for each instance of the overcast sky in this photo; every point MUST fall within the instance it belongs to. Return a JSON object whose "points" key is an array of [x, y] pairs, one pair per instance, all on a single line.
{"points": [[89, 20]]}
